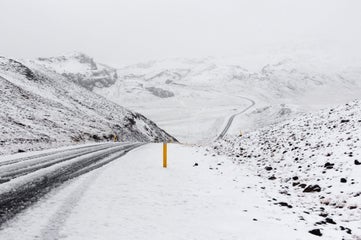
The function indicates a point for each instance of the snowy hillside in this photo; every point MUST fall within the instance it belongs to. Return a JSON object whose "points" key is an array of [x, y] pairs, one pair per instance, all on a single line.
{"points": [[192, 99], [82, 70], [212, 89], [40, 108], [309, 166]]}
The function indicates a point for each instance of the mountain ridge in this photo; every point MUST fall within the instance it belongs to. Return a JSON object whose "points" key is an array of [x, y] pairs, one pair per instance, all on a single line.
{"points": [[41, 108]]}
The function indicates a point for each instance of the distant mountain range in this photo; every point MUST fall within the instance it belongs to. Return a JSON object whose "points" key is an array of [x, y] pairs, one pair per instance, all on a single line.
{"points": [[160, 89]]}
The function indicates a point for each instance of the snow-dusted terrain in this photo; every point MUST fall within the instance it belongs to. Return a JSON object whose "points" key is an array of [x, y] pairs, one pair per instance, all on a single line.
{"points": [[293, 172], [192, 99], [82, 70], [40, 109], [198, 197], [309, 166], [26, 178]]}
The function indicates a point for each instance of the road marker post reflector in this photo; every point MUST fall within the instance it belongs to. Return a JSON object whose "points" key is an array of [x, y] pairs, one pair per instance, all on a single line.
{"points": [[115, 138], [164, 155]]}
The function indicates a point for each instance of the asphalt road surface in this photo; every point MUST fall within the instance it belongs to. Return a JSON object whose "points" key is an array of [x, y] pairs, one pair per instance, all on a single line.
{"points": [[230, 120], [24, 180]]}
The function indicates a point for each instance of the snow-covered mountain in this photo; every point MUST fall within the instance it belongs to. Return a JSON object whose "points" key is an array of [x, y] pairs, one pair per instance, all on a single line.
{"points": [[309, 166], [82, 69], [193, 98], [40, 108]]}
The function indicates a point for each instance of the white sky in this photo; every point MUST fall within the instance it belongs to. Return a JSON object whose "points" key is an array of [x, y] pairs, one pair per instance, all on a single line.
{"points": [[119, 31]]}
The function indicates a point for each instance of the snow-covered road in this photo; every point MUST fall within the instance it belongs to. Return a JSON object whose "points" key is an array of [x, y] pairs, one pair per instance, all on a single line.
{"points": [[24, 179], [199, 196], [230, 120]]}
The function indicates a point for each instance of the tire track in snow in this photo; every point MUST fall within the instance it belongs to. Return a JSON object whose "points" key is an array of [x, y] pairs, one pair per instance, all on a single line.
{"points": [[53, 228], [23, 159], [57, 221], [23, 168], [18, 198]]}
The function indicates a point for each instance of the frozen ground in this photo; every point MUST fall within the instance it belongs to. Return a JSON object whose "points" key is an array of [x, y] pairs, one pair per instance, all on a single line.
{"points": [[296, 179], [135, 198], [310, 165]]}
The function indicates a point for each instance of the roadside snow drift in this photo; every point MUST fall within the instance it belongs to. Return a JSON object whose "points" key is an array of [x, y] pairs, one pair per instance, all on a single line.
{"points": [[40, 108], [310, 166]]}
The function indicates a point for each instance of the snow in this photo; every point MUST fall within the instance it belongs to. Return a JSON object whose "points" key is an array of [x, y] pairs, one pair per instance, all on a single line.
{"points": [[81, 69], [42, 109], [135, 198], [192, 99], [207, 91], [295, 169], [319, 149]]}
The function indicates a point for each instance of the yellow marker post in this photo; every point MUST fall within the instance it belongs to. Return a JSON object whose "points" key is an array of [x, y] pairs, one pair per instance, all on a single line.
{"points": [[164, 155], [115, 138]]}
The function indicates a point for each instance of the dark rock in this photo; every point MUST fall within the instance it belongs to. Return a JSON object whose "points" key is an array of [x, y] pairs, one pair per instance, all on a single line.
{"points": [[316, 232], [195, 164], [357, 162], [295, 178], [329, 165], [284, 204], [345, 121], [330, 221], [268, 168], [272, 178], [312, 188], [343, 180]]}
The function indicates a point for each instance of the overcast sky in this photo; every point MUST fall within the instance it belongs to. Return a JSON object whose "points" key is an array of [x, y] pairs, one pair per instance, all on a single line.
{"points": [[119, 31]]}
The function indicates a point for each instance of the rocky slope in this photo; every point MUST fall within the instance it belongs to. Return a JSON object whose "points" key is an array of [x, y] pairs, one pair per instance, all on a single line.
{"points": [[309, 166], [40, 109], [81, 69]]}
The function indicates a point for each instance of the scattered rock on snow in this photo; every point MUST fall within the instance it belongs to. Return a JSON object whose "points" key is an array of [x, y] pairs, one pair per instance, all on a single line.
{"points": [[312, 188], [316, 232]]}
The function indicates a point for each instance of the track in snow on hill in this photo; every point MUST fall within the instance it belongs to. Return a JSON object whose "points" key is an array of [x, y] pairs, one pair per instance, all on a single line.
{"points": [[230, 120], [24, 180]]}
